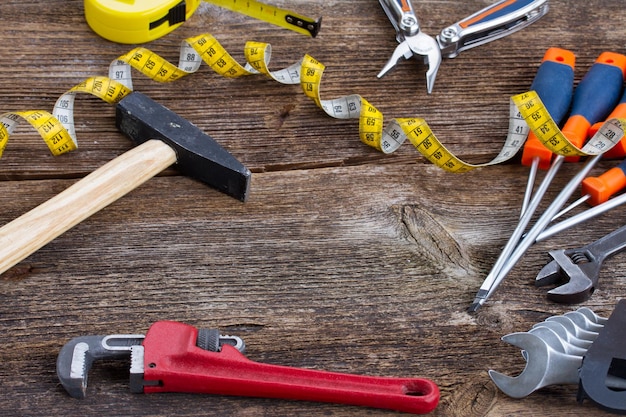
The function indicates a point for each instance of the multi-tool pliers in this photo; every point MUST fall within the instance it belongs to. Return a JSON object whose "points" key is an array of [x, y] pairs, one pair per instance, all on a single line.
{"points": [[490, 23]]}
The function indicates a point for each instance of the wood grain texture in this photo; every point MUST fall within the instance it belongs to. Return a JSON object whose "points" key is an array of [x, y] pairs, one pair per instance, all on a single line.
{"points": [[343, 259]]}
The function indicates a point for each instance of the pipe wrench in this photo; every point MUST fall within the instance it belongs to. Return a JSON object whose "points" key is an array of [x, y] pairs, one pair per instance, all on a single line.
{"points": [[177, 357], [493, 22]]}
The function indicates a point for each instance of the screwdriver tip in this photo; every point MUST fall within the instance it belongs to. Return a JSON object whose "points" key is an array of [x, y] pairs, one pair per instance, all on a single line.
{"points": [[473, 308]]}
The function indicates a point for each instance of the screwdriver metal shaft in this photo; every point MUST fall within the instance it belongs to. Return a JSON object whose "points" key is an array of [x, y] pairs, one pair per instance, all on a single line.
{"points": [[531, 236], [588, 214], [489, 284]]}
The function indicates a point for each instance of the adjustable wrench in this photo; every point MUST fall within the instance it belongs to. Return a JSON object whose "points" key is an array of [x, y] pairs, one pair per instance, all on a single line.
{"points": [[176, 357], [580, 267]]}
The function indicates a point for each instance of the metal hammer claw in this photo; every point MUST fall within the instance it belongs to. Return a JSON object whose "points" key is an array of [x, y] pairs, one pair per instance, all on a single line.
{"points": [[164, 138], [580, 268]]}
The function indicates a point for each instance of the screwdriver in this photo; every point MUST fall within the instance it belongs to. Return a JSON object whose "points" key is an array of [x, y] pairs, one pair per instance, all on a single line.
{"points": [[619, 150], [615, 178], [554, 84], [588, 214], [553, 76], [594, 98], [598, 190], [592, 106]]}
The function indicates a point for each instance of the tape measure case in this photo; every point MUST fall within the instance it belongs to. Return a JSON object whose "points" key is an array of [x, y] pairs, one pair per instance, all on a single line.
{"points": [[137, 21]]}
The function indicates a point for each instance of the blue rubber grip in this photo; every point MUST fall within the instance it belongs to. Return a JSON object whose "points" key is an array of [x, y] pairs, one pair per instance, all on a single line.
{"points": [[598, 92], [494, 11], [554, 83]]}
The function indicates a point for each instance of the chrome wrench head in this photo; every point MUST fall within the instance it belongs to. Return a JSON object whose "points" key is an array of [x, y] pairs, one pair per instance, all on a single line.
{"points": [[556, 341], [583, 321], [581, 276], [544, 366], [591, 315], [560, 330], [574, 328], [580, 267]]}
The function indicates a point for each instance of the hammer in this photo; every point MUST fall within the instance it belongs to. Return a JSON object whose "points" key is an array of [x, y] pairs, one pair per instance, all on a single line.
{"points": [[163, 139]]}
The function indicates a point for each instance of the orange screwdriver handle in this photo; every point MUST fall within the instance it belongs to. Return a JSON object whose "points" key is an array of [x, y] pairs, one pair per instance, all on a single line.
{"points": [[595, 97], [601, 188], [554, 84]]}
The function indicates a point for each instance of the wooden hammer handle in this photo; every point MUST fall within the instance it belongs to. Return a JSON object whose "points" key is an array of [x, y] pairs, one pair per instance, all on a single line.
{"points": [[31, 231]]}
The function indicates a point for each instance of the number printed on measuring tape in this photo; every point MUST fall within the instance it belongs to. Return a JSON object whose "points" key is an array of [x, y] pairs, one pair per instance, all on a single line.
{"points": [[534, 112], [526, 110]]}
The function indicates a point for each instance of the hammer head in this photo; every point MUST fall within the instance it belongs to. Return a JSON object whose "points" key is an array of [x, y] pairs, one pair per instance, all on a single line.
{"points": [[198, 155]]}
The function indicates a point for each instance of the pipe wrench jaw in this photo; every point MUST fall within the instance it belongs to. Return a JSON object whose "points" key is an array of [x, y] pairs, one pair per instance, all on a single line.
{"points": [[79, 354]]}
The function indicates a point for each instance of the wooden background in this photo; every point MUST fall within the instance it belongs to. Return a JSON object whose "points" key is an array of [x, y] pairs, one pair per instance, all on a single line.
{"points": [[343, 259]]}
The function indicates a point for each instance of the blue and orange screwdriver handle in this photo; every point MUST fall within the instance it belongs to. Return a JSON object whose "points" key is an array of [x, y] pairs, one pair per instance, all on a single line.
{"points": [[619, 150], [599, 190], [554, 84], [595, 97]]}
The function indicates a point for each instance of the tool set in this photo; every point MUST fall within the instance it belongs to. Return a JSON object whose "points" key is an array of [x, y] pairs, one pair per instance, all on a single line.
{"points": [[594, 98], [576, 348]]}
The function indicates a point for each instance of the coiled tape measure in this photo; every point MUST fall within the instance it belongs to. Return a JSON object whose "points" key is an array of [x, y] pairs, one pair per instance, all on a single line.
{"points": [[526, 110], [141, 21]]}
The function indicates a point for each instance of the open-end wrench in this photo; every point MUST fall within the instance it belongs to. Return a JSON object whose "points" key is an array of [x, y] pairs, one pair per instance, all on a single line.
{"points": [[562, 332], [591, 315], [579, 268], [605, 362], [545, 365], [551, 360], [176, 357], [574, 328]]}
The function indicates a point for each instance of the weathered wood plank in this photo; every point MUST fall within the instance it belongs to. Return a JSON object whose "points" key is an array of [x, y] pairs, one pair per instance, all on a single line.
{"points": [[343, 259]]}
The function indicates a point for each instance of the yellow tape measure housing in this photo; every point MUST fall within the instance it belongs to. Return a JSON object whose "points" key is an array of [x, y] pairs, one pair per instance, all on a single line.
{"points": [[137, 21], [140, 21]]}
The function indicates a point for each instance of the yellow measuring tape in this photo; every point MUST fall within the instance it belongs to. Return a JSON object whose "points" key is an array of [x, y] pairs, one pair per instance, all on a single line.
{"points": [[536, 115], [526, 110], [140, 21]]}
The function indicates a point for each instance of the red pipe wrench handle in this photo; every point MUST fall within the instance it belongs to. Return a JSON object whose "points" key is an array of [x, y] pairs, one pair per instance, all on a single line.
{"points": [[173, 363]]}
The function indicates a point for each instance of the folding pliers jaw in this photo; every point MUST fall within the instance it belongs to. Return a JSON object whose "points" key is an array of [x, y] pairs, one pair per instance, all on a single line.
{"points": [[420, 46]]}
